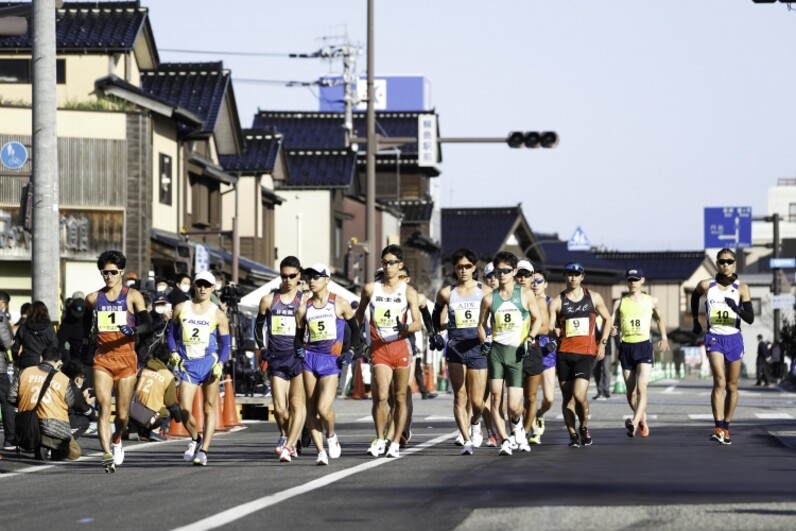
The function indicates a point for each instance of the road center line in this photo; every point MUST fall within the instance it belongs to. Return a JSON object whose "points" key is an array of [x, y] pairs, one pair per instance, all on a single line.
{"points": [[236, 513]]}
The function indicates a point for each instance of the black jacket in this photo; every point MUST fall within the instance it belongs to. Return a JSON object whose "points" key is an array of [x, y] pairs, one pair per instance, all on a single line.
{"points": [[33, 338]]}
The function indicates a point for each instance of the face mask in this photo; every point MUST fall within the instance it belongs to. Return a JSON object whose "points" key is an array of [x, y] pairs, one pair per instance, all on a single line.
{"points": [[184, 288], [160, 309], [219, 286], [130, 283], [161, 289]]}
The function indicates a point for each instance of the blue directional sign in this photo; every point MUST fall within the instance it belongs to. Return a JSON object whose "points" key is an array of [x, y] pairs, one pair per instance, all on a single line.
{"points": [[782, 263], [578, 241], [13, 155], [728, 227]]}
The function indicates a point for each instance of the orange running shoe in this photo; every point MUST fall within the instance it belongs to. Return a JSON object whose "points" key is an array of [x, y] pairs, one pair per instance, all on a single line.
{"points": [[643, 427], [718, 435]]}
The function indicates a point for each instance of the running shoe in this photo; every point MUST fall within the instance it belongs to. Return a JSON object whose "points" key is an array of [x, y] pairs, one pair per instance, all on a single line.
{"points": [[405, 438], [539, 425], [190, 452], [7, 446], [294, 451], [280, 444], [643, 427], [491, 441], [505, 448], [107, 462], [718, 435], [726, 437], [585, 436], [200, 459], [513, 442], [524, 446], [468, 449], [535, 438], [118, 453], [459, 440], [376, 448], [476, 435], [574, 440], [393, 450], [334, 447], [631, 430], [322, 458], [285, 457]]}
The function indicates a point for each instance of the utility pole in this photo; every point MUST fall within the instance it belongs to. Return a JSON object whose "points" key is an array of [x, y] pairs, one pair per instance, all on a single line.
{"points": [[776, 284], [370, 180], [45, 258]]}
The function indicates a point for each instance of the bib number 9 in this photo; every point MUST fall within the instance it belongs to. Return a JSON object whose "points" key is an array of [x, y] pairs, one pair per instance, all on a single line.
{"points": [[576, 327]]}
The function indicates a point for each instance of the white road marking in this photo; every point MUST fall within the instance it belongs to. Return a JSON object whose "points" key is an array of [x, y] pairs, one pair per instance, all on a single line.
{"points": [[701, 416], [440, 418], [671, 390], [369, 418], [774, 416], [243, 510]]}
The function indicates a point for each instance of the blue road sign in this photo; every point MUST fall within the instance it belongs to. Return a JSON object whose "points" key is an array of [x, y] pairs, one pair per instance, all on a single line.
{"points": [[13, 155], [728, 227], [782, 263], [578, 241]]}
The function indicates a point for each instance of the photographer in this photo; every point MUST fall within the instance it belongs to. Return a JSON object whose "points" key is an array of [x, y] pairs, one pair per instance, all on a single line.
{"points": [[81, 413]]}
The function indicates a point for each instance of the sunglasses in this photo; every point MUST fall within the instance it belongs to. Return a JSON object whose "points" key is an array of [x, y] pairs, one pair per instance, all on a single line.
{"points": [[573, 273], [522, 274], [538, 281], [203, 284], [317, 277], [503, 271], [460, 267], [289, 277], [725, 261], [110, 272], [386, 263]]}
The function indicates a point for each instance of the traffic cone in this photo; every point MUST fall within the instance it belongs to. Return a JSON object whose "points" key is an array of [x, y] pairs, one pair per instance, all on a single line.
{"points": [[177, 429], [358, 392], [199, 410], [230, 406], [429, 378], [619, 381], [220, 426]]}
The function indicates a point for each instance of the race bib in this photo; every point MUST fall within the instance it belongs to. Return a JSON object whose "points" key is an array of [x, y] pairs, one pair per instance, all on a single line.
{"points": [[507, 321], [322, 329], [192, 337], [631, 327], [722, 318], [465, 318], [283, 325], [577, 326], [386, 316], [109, 321]]}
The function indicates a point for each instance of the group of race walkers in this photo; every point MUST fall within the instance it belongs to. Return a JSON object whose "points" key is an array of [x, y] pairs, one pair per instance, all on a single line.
{"points": [[503, 338]]}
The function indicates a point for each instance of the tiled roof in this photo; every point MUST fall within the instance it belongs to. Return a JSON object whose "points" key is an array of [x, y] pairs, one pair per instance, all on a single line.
{"points": [[414, 211], [484, 230], [325, 130], [259, 155], [557, 255], [88, 26], [198, 87], [317, 168], [658, 266]]}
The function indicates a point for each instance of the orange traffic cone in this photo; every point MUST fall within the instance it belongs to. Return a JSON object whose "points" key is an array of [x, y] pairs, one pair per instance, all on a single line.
{"points": [[220, 426], [230, 406], [199, 410], [358, 391], [177, 429], [430, 378]]}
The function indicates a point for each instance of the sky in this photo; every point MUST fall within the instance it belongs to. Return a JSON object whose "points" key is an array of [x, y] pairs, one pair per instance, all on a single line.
{"points": [[662, 108]]}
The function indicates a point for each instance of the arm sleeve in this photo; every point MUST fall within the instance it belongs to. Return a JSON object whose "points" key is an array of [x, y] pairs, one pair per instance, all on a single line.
{"points": [[436, 317], [695, 304], [747, 312], [225, 349], [298, 340], [356, 337], [427, 319], [259, 323], [171, 336], [143, 323]]}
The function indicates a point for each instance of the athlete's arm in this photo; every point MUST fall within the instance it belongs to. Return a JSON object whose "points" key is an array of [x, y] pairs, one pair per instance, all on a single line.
{"points": [[260, 322], [483, 316], [364, 301], [411, 298], [143, 320], [555, 306], [222, 328], [746, 311], [663, 344], [700, 289], [602, 311], [440, 306], [536, 316], [344, 311]]}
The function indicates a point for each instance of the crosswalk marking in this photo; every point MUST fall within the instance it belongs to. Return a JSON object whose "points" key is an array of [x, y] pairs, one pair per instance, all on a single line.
{"points": [[774, 416], [701, 416]]}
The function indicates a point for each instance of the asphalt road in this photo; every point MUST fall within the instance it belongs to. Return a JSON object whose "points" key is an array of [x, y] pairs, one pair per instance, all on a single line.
{"points": [[675, 479]]}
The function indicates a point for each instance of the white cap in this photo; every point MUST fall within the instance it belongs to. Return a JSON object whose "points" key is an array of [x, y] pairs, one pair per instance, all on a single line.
{"points": [[489, 269], [317, 269], [207, 276], [525, 265]]}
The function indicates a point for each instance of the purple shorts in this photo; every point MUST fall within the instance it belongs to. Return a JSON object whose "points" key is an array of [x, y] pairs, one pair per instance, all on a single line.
{"points": [[549, 359], [731, 345], [284, 365], [631, 354], [320, 364]]}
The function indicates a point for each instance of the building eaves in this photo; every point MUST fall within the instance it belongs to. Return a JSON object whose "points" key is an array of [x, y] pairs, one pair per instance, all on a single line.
{"points": [[261, 149], [113, 85], [319, 169]]}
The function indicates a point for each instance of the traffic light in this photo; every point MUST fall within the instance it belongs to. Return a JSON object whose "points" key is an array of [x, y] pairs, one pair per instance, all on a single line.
{"points": [[13, 26], [532, 139]]}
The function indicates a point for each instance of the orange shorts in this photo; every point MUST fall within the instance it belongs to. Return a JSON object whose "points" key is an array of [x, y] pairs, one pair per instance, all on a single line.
{"points": [[117, 365], [395, 354]]}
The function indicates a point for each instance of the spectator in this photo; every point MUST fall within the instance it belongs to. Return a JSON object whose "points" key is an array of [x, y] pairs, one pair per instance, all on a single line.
{"points": [[775, 355], [34, 336], [246, 368], [762, 361], [81, 413], [183, 291], [53, 411], [131, 280], [24, 310], [161, 314], [162, 286], [6, 373], [70, 331], [157, 390]]}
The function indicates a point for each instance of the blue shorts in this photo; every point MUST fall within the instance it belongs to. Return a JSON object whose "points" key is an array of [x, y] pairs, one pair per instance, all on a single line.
{"points": [[631, 354], [549, 359], [321, 365], [197, 371], [466, 352], [731, 345], [284, 365]]}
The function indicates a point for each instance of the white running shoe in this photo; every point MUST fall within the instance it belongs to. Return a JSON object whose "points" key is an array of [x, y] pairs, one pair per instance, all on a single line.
{"points": [[200, 459], [322, 458], [280, 444], [505, 448], [376, 448], [393, 450], [284, 457], [524, 446], [476, 435], [334, 447], [118, 453], [190, 452], [539, 421], [512, 443], [459, 440], [468, 449]]}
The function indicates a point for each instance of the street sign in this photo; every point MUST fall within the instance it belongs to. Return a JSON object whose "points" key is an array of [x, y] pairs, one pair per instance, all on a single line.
{"points": [[782, 302], [729, 227], [13, 155], [782, 263], [578, 241]]}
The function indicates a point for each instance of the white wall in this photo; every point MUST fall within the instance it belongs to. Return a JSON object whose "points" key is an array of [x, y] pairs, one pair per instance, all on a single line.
{"points": [[302, 226]]}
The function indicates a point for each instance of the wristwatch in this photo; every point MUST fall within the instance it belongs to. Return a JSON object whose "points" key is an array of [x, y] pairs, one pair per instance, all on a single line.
{"points": [[604, 341]]}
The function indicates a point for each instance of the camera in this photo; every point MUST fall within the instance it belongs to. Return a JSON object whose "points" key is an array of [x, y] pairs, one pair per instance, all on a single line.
{"points": [[231, 294]]}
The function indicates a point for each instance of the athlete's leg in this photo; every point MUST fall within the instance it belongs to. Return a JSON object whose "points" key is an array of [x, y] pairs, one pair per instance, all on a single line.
{"points": [[514, 402], [630, 384], [548, 391], [380, 391], [210, 390], [187, 395], [457, 372], [123, 388], [568, 404], [311, 392], [642, 378], [732, 372], [399, 384], [496, 402], [476, 385], [580, 390], [279, 392], [530, 390], [717, 396], [297, 409], [103, 389], [326, 392]]}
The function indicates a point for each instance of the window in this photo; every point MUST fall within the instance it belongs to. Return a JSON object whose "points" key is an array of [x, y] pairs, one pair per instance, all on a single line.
{"points": [[756, 305], [165, 180], [205, 202], [19, 71], [338, 239], [792, 212]]}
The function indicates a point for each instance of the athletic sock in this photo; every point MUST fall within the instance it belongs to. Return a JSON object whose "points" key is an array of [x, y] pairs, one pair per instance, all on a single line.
{"points": [[719, 423], [726, 425]]}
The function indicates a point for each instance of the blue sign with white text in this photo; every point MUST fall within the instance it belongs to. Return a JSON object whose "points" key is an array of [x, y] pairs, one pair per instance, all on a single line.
{"points": [[13, 155], [729, 227]]}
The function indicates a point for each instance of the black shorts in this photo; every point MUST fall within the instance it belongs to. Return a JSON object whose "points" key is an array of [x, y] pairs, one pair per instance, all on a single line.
{"points": [[466, 352], [631, 354], [284, 365], [533, 363], [570, 366]]}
